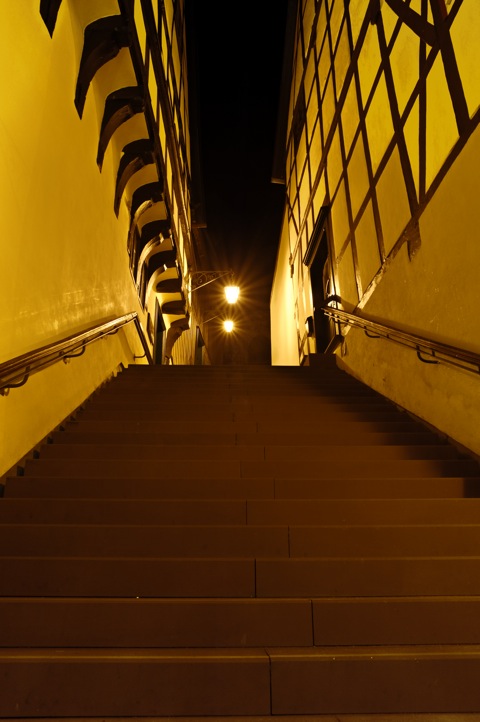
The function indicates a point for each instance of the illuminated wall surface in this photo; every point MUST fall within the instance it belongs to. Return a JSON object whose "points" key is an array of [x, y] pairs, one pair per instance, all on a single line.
{"points": [[382, 168], [94, 181]]}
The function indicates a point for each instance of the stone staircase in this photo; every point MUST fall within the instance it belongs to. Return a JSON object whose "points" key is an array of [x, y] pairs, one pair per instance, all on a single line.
{"points": [[241, 541]]}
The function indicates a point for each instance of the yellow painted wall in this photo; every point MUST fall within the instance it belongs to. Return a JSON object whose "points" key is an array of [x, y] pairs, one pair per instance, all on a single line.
{"points": [[282, 315], [28, 414], [64, 261]]}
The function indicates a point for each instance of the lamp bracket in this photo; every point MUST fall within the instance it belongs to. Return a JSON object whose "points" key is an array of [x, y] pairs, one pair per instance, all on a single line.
{"points": [[198, 279]]}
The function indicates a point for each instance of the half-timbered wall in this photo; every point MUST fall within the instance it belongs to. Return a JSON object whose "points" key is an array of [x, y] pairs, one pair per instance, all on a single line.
{"points": [[382, 168]]}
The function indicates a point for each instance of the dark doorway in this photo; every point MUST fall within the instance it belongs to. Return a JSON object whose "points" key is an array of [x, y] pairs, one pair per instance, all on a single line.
{"points": [[159, 335], [320, 276], [199, 346]]}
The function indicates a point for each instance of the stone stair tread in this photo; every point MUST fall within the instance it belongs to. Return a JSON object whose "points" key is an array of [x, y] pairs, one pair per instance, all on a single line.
{"points": [[122, 511], [338, 414], [250, 654], [349, 427], [242, 488], [131, 488], [396, 620], [161, 451], [363, 511], [141, 654], [127, 577], [155, 623], [368, 576], [295, 542], [378, 488], [390, 717], [156, 683], [332, 439], [237, 468], [164, 424], [72, 436], [260, 397], [123, 622], [249, 452], [276, 679], [239, 576], [126, 541], [360, 469], [304, 512], [230, 392]]}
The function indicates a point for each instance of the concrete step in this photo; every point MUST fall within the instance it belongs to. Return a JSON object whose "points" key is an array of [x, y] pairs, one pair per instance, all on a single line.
{"points": [[272, 578], [396, 620], [118, 488], [170, 438], [134, 469], [328, 364], [347, 426], [134, 682], [382, 488], [240, 682], [389, 679], [234, 469], [337, 415], [171, 401], [146, 623], [354, 452], [349, 429], [414, 717], [162, 452], [334, 413], [132, 577], [242, 488], [179, 541], [348, 469], [258, 512], [128, 541], [364, 577], [362, 511], [122, 511], [229, 392], [243, 452], [73, 434], [354, 437], [92, 622], [396, 541]]}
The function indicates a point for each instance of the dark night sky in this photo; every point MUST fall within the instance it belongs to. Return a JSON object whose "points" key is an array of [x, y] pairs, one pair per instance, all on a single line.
{"points": [[238, 62]]}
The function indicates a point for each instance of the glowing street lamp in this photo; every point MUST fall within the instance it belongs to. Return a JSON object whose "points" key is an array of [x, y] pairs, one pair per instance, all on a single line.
{"points": [[232, 293], [198, 279]]}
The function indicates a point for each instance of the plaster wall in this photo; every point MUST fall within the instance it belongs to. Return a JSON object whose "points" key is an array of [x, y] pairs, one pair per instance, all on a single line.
{"points": [[28, 414], [64, 262], [284, 343]]}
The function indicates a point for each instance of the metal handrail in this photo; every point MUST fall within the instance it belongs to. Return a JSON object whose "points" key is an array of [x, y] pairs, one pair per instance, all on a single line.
{"points": [[428, 351], [17, 371]]}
